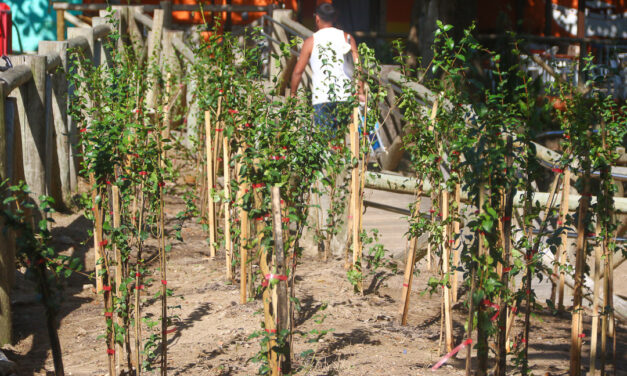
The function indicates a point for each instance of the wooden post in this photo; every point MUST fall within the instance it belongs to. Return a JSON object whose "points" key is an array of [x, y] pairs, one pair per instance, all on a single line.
{"points": [[134, 32], [281, 302], [60, 25], [561, 256], [446, 252], [227, 209], [75, 167], [153, 57], [62, 193], [31, 108], [210, 186], [355, 195], [7, 256], [278, 33]]}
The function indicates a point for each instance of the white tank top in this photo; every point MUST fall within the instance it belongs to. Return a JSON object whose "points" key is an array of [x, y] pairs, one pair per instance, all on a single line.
{"points": [[330, 82]]}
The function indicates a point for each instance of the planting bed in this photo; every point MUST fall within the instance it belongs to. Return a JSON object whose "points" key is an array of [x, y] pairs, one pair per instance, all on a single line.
{"points": [[211, 329]]}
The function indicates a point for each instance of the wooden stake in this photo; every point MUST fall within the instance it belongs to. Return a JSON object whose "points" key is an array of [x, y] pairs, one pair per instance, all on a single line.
{"points": [[227, 208], [356, 197], [410, 263], [456, 236], [446, 251], [243, 237], [281, 303], [97, 209], [598, 252], [210, 185], [561, 251], [501, 353], [482, 335], [115, 193], [580, 259]]}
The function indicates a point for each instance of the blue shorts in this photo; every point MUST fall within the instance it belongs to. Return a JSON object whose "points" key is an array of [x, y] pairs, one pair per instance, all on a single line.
{"points": [[331, 116]]}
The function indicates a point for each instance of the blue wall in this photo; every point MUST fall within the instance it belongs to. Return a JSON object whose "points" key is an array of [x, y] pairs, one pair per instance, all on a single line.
{"points": [[33, 21]]}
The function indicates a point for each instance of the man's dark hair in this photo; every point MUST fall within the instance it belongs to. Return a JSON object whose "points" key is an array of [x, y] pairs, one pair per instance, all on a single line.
{"points": [[326, 12]]}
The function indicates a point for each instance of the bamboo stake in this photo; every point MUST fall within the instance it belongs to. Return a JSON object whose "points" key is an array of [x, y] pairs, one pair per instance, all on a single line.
{"points": [[355, 197], [561, 251], [595, 303], [210, 185], [446, 250], [227, 208]]}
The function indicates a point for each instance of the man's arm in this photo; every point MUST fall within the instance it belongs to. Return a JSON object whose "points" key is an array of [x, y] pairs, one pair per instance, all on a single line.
{"points": [[301, 64]]}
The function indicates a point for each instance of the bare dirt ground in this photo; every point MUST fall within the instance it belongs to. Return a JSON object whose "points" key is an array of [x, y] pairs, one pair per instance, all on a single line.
{"points": [[211, 329]]}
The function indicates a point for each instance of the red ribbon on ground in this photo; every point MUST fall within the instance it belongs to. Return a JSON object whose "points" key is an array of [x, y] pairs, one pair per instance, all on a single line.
{"points": [[453, 352]]}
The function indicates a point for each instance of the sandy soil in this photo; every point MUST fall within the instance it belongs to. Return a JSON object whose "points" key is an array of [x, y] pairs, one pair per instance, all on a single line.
{"points": [[212, 329]]}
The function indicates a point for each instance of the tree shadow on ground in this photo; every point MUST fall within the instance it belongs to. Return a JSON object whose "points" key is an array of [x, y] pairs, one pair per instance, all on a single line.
{"points": [[339, 341], [29, 313]]}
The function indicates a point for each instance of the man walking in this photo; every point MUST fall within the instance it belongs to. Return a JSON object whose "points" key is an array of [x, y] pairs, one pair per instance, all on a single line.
{"points": [[331, 53]]}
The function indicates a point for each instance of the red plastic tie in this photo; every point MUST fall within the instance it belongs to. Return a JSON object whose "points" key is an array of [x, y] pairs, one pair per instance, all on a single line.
{"points": [[110, 351], [450, 354], [270, 330], [276, 276], [218, 129], [106, 288], [231, 111], [103, 243], [169, 331], [140, 287], [558, 170], [108, 314], [143, 173], [582, 335], [405, 285], [164, 282]]}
